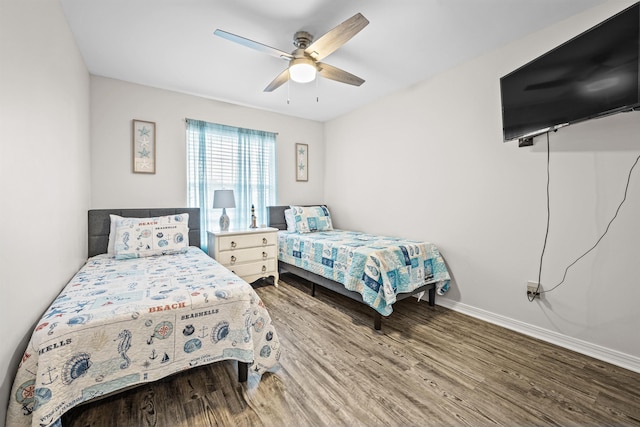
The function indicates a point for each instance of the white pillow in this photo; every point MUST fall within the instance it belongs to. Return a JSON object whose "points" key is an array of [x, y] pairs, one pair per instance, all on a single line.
{"points": [[112, 235], [289, 218], [143, 237], [312, 218]]}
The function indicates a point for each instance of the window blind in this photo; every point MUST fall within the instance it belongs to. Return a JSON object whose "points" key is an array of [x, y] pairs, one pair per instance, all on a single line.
{"points": [[227, 157]]}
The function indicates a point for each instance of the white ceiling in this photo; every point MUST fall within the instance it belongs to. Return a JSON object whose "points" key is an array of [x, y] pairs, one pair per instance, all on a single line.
{"points": [[170, 44]]}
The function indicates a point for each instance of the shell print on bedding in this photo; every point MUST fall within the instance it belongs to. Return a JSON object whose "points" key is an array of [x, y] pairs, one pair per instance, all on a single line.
{"points": [[192, 345], [154, 236], [79, 320], [120, 337], [220, 331], [76, 367]]}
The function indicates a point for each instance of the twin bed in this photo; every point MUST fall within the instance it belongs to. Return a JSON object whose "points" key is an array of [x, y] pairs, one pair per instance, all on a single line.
{"points": [[149, 302], [128, 318], [374, 270]]}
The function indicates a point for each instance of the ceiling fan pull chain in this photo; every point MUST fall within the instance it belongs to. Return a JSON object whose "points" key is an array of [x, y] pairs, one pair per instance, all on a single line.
{"points": [[317, 91], [288, 91]]}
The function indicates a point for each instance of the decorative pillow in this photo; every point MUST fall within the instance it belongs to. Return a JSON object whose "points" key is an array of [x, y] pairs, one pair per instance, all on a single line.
{"points": [[290, 219], [112, 235], [143, 237], [312, 218]]}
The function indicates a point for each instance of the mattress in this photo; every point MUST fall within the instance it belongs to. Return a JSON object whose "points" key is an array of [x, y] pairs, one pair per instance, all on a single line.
{"points": [[377, 267], [118, 323]]}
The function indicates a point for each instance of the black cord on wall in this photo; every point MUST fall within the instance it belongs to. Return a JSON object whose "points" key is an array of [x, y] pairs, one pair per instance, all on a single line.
{"points": [[532, 297]]}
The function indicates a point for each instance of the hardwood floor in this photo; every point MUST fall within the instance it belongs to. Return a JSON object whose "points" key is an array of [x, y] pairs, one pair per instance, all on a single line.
{"points": [[428, 366]]}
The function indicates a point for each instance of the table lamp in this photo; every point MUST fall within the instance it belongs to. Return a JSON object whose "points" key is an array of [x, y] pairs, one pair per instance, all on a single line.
{"points": [[224, 199]]}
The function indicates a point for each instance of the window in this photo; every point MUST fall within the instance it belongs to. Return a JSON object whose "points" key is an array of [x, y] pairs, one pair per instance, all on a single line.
{"points": [[226, 157]]}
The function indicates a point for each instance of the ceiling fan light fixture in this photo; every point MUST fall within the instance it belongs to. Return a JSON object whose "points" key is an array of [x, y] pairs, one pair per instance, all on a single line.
{"points": [[302, 70]]}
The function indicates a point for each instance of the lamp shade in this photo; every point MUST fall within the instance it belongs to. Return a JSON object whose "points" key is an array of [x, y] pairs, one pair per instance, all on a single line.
{"points": [[223, 199], [302, 70]]}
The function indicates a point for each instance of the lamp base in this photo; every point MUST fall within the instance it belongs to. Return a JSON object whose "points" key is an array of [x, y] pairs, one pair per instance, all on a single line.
{"points": [[224, 220]]}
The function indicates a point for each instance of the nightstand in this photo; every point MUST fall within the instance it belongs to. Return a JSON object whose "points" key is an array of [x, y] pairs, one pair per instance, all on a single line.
{"points": [[251, 254]]}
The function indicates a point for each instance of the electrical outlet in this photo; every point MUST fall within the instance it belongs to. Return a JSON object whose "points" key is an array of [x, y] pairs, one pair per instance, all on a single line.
{"points": [[533, 289]]}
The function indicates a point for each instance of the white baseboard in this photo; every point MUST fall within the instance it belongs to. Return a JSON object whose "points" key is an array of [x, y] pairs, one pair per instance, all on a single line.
{"points": [[614, 357]]}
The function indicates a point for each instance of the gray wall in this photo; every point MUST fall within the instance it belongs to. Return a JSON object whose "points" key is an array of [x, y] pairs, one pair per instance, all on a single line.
{"points": [[115, 103], [44, 169], [429, 163]]}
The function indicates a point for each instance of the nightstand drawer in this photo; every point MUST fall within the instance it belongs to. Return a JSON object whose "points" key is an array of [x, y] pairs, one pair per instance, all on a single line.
{"points": [[251, 268], [241, 241], [238, 256], [251, 254]]}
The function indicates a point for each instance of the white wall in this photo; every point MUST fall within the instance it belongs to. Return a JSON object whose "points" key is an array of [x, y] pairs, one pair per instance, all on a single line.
{"points": [[115, 103], [44, 169], [429, 163]]}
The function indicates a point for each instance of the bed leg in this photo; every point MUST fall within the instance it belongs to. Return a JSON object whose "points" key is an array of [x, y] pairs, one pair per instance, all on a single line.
{"points": [[313, 289], [243, 371], [377, 321], [432, 296]]}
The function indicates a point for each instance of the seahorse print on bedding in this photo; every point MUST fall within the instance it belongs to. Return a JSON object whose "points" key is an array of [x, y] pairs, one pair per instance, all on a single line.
{"points": [[123, 346]]}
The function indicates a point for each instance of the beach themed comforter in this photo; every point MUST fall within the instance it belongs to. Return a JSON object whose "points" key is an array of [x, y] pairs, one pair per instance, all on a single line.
{"points": [[123, 322], [377, 267]]}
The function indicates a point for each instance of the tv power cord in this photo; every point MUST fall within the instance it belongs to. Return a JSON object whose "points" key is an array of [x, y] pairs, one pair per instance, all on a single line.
{"points": [[532, 296]]}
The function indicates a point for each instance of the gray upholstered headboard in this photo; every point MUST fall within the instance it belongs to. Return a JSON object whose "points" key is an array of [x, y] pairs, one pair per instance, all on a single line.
{"points": [[100, 223], [275, 216]]}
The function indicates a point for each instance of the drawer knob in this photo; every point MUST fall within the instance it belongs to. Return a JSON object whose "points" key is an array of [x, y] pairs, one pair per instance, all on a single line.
{"points": [[233, 259], [264, 240], [264, 255], [264, 268], [233, 244]]}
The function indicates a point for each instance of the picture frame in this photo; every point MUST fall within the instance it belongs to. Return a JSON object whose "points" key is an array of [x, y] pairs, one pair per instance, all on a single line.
{"points": [[144, 146], [302, 162]]}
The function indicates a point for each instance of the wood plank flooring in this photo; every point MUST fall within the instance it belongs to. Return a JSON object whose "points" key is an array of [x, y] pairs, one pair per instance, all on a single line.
{"points": [[428, 366]]}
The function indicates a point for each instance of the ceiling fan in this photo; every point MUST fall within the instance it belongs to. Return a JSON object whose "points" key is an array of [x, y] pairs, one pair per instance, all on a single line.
{"points": [[304, 61]]}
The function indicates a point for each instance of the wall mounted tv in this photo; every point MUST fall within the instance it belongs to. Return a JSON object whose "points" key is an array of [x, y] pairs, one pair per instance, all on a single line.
{"points": [[592, 75]]}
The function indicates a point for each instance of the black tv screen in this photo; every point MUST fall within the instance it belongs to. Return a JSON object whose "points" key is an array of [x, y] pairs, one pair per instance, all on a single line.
{"points": [[591, 75]]}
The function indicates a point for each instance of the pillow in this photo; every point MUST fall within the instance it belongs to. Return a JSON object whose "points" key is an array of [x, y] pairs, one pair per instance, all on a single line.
{"points": [[289, 218], [312, 218], [112, 235], [143, 237]]}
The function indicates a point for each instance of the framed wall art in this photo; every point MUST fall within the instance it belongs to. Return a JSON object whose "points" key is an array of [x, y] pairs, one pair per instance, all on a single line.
{"points": [[144, 146], [302, 162]]}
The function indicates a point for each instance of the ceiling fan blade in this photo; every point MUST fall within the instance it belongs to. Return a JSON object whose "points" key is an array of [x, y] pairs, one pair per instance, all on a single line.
{"points": [[336, 37], [330, 72], [278, 81], [253, 45]]}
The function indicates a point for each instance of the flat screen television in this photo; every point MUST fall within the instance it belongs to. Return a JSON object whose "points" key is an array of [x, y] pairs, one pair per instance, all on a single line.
{"points": [[592, 75]]}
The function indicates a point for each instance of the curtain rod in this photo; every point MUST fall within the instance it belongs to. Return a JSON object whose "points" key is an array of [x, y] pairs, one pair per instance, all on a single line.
{"points": [[186, 119]]}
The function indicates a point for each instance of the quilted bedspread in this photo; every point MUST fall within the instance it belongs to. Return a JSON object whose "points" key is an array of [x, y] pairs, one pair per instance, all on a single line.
{"points": [[377, 267], [123, 322]]}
